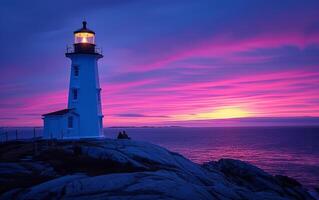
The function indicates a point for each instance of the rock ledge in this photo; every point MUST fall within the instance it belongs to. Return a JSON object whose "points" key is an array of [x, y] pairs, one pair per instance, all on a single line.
{"points": [[125, 169]]}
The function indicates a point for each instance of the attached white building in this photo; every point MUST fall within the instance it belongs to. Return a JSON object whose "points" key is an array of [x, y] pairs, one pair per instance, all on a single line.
{"points": [[83, 117]]}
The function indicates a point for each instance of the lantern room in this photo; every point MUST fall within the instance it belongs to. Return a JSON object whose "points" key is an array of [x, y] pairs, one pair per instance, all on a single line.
{"points": [[84, 38], [84, 41], [84, 35]]}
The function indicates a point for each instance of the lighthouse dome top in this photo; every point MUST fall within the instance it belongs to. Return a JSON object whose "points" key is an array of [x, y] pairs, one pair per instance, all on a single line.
{"points": [[84, 29]]}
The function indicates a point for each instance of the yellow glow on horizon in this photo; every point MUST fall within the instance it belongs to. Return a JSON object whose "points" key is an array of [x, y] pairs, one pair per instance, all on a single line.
{"points": [[219, 113]]}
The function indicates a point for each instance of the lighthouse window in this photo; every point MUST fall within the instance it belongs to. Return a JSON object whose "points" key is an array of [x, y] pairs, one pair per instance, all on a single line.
{"points": [[99, 95], [76, 71], [84, 37], [70, 122], [101, 122], [75, 94]]}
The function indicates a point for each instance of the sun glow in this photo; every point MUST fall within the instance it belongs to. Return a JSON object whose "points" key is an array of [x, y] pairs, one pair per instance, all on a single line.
{"points": [[219, 113]]}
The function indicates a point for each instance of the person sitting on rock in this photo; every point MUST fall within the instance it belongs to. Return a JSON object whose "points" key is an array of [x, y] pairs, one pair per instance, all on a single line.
{"points": [[120, 135], [125, 136]]}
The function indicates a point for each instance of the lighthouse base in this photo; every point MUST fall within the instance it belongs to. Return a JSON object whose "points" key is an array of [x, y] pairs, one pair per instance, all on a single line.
{"points": [[61, 124]]}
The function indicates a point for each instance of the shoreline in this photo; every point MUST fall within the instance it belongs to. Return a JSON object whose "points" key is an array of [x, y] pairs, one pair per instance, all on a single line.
{"points": [[99, 158], [269, 158]]}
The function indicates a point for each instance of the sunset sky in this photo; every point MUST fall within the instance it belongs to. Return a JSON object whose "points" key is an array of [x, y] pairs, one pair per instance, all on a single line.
{"points": [[166, 62]]}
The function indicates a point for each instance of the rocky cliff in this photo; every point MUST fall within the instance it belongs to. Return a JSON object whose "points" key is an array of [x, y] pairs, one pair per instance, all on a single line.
{"points": [[125, 169]]}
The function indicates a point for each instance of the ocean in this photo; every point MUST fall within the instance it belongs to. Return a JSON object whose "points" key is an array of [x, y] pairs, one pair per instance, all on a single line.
{"points": [[291, 151]]}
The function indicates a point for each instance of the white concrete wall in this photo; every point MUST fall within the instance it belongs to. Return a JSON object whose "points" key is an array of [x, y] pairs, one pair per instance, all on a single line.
{"points": [[87, 104], [52, 127], [57, 126]]}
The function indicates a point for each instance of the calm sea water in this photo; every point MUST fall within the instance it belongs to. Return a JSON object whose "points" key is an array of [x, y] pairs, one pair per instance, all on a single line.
{"points": [[291, 151]]}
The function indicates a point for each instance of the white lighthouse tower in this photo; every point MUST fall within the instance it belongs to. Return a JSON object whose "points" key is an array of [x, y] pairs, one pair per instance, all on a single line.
{"points": [[83, 117], [84, 90]]}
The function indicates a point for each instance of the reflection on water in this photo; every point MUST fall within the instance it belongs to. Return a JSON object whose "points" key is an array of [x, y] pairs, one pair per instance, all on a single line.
{"points": [[291, 151]]}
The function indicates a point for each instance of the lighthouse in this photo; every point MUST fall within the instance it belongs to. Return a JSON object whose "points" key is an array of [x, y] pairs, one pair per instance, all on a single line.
{"points": [[83, 117]]}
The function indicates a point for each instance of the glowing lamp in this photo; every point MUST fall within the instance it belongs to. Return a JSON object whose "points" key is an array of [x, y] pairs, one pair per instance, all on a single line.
{"points": [[84, 37], [84, 40]]}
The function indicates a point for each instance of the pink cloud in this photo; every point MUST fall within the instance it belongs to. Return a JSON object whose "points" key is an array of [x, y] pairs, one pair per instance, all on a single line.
{"points": [[271, 94], [265, 94], [27, 111], [225, 47]]}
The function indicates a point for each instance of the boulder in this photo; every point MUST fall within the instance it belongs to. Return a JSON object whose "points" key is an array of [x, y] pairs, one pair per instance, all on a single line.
{"points": [[256, 180]]}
